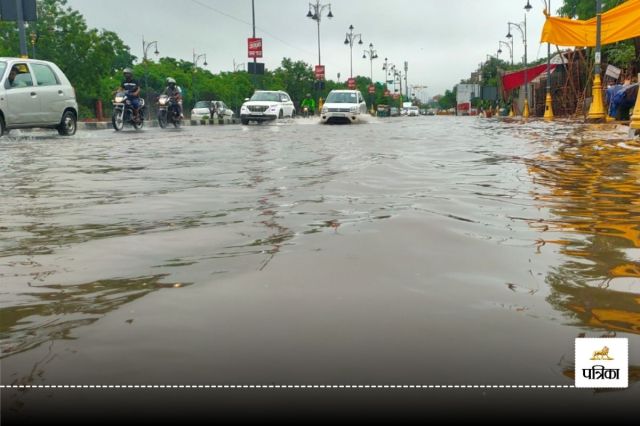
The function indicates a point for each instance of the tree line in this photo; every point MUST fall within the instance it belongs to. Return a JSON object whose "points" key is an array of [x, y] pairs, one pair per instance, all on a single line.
{"points": [[93, 61]]}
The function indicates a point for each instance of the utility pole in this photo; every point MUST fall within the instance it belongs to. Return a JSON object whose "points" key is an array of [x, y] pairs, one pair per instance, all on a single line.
{"points": [[21, 30]]}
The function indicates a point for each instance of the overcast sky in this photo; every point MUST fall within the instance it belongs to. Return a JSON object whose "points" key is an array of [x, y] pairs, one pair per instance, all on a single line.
{"points": [[443, 40]]}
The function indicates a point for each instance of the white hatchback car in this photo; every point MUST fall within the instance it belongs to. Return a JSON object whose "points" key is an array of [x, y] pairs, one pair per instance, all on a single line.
{"points": [[36, 93], [202, 110], [343, 106], [267, 105]]}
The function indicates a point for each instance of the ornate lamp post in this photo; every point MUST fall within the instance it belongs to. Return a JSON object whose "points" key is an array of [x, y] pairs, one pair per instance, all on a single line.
{"points": [[510, 49], [145, 58], [349, 39], [196, 58], [315, 12], [371, 54], [523, 32]]}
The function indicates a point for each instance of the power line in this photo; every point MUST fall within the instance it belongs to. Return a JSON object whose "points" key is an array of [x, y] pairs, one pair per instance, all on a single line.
{"points": [[206, 6]]}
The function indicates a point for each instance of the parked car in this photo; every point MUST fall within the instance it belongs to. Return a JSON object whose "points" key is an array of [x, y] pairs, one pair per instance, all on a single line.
{"points": [[343, 106], [202, 110], [36, 93], [394, 112], [267, 105], [383, 111]]}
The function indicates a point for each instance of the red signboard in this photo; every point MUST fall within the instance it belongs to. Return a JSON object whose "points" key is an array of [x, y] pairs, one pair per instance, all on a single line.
{"points": [[372, 89], [464, 106], [387, 92], [255, 47], [319, 71], [351, 83]]}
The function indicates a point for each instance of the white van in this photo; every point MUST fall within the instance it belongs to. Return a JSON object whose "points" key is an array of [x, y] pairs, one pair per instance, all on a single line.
{"points": [[36, 93]]}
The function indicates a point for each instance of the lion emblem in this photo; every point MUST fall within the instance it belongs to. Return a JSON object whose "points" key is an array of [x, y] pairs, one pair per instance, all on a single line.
{"points": [[601, 355]]}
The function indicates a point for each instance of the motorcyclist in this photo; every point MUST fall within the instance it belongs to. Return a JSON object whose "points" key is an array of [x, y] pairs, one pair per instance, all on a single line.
{"points": [[309, 103], [132, 88], [175, 92]]}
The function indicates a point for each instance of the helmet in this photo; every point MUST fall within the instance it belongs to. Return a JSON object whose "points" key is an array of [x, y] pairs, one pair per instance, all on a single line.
{"points": [[171, 80], [127, 71], [308, 95]]}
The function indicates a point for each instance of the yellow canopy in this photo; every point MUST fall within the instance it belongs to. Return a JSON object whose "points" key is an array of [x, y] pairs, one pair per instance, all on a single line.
{"points": [[619, 23]]}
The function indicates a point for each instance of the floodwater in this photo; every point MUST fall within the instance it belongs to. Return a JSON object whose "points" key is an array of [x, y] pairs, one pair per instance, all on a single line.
{"points": [[428, 250]]}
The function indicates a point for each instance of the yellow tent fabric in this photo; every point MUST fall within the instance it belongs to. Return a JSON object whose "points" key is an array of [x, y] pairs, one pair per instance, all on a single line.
{"points": [[619, 23]]}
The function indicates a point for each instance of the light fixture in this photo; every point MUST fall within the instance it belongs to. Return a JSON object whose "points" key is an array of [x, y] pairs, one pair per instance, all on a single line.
{"points": [[309, 14], [330, 15], [528, 7]]}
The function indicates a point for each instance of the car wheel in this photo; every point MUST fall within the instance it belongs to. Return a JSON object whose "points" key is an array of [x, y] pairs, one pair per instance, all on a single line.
{"points": [[1, 126], [244, 122], [68, 124], [281, 114], [293, 113]]}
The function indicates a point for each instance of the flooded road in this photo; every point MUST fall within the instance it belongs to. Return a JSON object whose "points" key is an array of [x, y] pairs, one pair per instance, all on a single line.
{"points": [[429, 250]]}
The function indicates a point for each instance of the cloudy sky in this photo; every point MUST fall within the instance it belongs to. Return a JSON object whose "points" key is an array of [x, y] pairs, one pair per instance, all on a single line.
{"points": [[442, 40]]}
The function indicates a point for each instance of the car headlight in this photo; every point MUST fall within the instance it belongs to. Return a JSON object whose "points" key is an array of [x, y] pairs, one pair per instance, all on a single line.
{"points": [[354, 109], [243, 108], [325, 110]]}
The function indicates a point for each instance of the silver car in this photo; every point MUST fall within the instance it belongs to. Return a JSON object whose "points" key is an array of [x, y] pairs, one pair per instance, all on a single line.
{"points": [[36, 93]]}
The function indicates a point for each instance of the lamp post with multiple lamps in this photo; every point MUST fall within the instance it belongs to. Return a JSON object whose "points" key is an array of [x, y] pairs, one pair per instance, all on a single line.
{"points": [[371, 54], [523, 32], [145, 59], [196, 58], [315, 12], [350, 38]]}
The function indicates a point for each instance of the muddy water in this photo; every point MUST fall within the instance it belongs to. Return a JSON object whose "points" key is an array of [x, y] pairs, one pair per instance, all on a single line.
{"points": [[426, 250]]}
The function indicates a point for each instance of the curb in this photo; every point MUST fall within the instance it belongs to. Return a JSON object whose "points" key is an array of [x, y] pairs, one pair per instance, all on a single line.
{"points": [[103, 125]]}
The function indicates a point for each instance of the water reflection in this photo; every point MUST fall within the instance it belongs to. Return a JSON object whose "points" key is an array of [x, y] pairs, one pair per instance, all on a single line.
{"points": [[590, 189], [53, 311]]}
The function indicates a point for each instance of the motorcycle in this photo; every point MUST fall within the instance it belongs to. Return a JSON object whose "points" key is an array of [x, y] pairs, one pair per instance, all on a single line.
{"points": [[168, 112], [305, 111], [123, 112]]}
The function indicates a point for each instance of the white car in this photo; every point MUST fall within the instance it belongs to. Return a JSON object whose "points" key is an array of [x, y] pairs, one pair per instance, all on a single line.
{"points": [[413, 111], [343, 106], [267, 105], [36, 93], [202, 110]]}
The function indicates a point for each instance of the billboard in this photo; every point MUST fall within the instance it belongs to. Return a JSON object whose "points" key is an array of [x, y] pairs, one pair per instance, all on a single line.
{"points": [[319, 72]]}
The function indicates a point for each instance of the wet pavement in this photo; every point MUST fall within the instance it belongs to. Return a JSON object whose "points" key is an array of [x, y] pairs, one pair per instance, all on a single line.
{"points": [[428, 250]]}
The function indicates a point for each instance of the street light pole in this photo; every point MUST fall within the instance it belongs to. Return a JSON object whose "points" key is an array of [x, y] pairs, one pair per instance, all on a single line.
{"points": [[349, 39], [371, 54], [523, 32], [315, 13], [145, 58], [196, 58], [510, 49], [548, 103], [596, 110]]}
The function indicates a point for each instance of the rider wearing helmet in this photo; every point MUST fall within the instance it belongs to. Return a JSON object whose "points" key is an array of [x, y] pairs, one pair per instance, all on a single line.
{"points": [[173, 91], [132, 88], [309, 103]]}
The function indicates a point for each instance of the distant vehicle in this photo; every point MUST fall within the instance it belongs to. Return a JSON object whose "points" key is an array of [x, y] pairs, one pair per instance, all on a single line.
{"points": [[423, 111], [383, 111], [413, 111], [343, 106], [267, 106], [36, 93], [394, 112], [404, 111]]}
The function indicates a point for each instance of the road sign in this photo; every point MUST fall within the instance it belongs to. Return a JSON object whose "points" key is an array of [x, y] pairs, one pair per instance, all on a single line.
{"points": [[254, 47], [351, 83], [372, 89], [319, 72], [9, 10]]}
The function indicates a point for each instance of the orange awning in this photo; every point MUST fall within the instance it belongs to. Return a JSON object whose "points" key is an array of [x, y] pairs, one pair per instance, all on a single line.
{"points": [[619, 23]]}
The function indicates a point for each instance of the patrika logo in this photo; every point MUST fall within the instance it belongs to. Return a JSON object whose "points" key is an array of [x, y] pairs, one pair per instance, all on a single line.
{"points": [[601, 355], [596, 366]]}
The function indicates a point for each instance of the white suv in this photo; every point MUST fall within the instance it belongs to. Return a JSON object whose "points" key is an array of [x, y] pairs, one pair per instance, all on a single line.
{"points": [[267, 105], [36, 93], [343, 106]]}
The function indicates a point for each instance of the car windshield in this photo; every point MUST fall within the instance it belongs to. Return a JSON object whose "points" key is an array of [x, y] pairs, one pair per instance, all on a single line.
{"points": [[3, 66], [266, 96], [342, 98], [202, 104]]}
